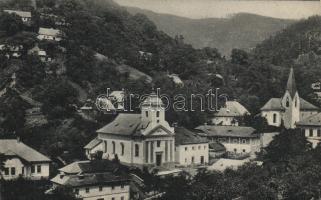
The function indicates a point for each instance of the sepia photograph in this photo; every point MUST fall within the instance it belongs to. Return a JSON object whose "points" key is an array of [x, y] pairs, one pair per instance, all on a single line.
{"points": [[160, 100]]}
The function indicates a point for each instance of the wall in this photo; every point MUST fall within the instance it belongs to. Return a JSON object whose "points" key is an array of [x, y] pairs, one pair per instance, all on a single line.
{"points": [[184, 153], [269, 117], [315, 139], [107, 193]]}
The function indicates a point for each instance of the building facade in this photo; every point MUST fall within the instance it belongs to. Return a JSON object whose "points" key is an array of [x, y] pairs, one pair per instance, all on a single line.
{"points": [[23, 161], [289, 109], [94, 180], [190, 148], [239, 141], [144, 139], [311, 128]]}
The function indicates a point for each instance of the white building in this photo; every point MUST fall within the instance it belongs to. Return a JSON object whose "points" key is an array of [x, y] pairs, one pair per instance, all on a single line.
{"points": [[288, 109], [49, 34], [239, 141], [138, 139], [190, 148], [23, 161], [230, 114], [311, 127], [94, 180], [25, 16]]}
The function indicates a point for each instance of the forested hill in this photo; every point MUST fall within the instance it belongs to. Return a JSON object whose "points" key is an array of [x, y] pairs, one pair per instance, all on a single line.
{"points": [[241, 31]]}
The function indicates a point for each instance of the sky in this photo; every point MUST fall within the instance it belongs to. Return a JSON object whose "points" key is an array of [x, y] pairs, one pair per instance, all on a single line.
{"points": [[197, 9]]}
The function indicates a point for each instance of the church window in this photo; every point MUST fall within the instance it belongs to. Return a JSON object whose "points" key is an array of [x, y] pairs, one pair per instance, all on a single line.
{"points": [[157, 114], [122, 148], [136, 150], [146, 113], [185, 148], [287, 104], [105, 145], [274, 118], [311, 132], [114, 147], [158, 143], [295, 102]]}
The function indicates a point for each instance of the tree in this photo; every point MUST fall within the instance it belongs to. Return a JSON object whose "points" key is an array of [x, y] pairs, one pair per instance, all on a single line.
{"points": [[10, 23]]}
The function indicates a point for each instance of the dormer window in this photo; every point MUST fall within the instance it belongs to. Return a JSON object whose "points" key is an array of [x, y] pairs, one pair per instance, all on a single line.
{"points": [[287, 104]]}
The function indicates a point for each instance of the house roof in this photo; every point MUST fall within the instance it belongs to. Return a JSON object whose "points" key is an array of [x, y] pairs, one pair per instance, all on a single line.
{"points": [[231, 131], [19, 13], [184, 136], [216, 146], [89, 179], [123, 124], [49, 31], [314, 120], [92, 144], [276, 104], [291, 86], [12, 147], [232, 109], [90, 166]]}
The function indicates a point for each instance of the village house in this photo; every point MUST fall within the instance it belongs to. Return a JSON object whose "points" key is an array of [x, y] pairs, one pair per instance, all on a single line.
{"points": [[23, 161], [311, 128], [94, 180], [289, 109], [230, 114], [144, 139], [190, 147], [25, 16], [49, 34], [239, 141]]}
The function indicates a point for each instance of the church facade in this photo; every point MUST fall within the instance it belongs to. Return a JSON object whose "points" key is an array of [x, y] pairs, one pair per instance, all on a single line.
{"points": [[289, 109], [144, 139]]}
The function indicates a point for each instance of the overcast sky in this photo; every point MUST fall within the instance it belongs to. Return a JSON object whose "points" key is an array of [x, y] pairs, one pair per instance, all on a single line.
{"points": [[222, 8]]}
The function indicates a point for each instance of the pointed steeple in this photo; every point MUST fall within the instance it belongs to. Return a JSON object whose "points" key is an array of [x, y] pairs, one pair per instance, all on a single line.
{"points": [[291, 86]]}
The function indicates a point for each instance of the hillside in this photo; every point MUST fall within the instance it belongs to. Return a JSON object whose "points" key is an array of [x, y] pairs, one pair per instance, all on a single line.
{"points": [[241, 31]]}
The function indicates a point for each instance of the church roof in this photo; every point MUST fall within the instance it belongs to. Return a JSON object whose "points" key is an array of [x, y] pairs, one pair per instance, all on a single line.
{"points": [[12, 147], [124, 124], [276, 105], [314, 120], [232, 109], [291, 86], [231, 131], [184, 136]]}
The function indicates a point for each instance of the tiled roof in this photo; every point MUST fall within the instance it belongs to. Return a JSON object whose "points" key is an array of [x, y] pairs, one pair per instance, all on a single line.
{"points": [[275, 104], [90, 166], [232, 131], [314, 120], [232, 109], [92, 144], [123, 124], [184, 136], [49, 31], [12, 147], [19, 13]]}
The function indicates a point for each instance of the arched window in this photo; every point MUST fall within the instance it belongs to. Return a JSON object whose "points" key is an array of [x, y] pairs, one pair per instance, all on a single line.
{"points": [[114, 147], [136, 150], [287, 104], [146, 113], [157, 114], [105, 146], [274, 118], [295, 102], [122, 148]]}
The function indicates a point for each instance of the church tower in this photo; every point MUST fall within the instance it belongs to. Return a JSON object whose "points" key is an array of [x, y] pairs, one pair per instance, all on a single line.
{"points": [[152, 110], [291, 103]]}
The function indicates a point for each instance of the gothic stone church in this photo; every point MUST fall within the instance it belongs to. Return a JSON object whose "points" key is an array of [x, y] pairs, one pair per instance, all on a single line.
{"points": [[138, 139], [288, 109]]}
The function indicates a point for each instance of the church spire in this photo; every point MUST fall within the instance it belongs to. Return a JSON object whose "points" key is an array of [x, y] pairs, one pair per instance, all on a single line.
{"points": [[291, 86]]}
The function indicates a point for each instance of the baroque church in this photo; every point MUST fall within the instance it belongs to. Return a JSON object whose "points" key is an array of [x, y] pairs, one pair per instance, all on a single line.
{"points": [[289, 109]]}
